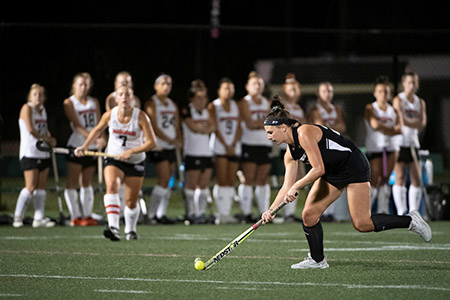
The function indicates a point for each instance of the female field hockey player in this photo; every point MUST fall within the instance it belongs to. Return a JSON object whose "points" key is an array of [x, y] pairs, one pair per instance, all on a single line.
{"points": [[34, 163], [336, 163], [130, 136], [83, 112], [382, 123]]}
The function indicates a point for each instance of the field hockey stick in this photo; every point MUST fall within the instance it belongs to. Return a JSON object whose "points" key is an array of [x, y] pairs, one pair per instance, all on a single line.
{"points": [[422, 186], [237, 241], [43, 146], [179, 162], [62, 218]]}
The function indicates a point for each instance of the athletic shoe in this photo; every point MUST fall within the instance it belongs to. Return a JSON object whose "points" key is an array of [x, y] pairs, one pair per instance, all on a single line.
{"points": [[165, 220], [130, 236], [76, 222], [112, 233], [18, 222], [88, 222], [419, 226], [310, 263], [46, 222]]}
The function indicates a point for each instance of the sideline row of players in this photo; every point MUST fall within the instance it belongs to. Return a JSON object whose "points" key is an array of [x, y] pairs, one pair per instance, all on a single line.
{"points": [[235, 132]]}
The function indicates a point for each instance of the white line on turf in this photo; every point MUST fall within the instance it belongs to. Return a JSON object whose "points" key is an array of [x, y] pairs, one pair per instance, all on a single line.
{"points": [[247, 283], [123, 291], [11, 295]]}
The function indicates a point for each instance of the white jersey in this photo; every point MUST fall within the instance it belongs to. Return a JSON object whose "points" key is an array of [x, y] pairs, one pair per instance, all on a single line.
{"points": [[375, 140], [410, 136], [328, 118], [165, 121], [27, 140], [256, 137], [87, 117], [125, 136], [227, 125], [196, 144]]}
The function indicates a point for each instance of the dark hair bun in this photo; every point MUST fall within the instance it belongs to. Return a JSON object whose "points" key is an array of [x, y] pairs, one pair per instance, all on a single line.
{"points": [[276, 103], [383, 79], [290, 78]]}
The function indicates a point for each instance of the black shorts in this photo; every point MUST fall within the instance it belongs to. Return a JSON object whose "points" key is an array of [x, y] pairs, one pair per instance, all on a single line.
{"points": [[159, 156], [260, 155], [198, 163], [130, 170], [232, 158], [84, 161], [405, 155], [374, 155], [34, 163], [357, 169]]}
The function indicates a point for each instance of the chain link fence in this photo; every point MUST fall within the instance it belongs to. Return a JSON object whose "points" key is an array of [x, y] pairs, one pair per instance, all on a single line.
{"points": [[51, 54]]}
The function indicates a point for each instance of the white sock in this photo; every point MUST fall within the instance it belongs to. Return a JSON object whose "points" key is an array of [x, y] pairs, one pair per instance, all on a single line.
{"points": [[215, 191], [87, 200], [39, 204], [71, 196], [224, 200], [373, 195], [399, 194], [112, 208], [414, 197], [246, 196], [155, 199], [262, 193], [383, 199], [22, 202], [131, 218], [229, 193], [201, 201], [289, 209], [189, 202], [164, 204], [121, 196]]}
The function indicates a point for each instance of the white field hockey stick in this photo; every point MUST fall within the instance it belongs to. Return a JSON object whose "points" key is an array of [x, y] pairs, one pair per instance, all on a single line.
{"points": [[62, 218], [42, 146], [237, 241], [422, 186]]}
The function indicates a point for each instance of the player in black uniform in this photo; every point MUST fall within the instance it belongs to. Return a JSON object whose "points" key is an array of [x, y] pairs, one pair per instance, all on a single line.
{"points": [[336, 163]]}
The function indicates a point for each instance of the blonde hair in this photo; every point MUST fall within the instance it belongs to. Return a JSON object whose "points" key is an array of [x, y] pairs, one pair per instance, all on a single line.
{"points": [[33, 87], [126, 74], [84, 75]]}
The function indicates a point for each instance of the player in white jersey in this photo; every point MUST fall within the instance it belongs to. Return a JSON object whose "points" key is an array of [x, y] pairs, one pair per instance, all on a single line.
{"points": [[412, 110], [83, 112], [123, 78], [330, 115], [225, 144], [197, 126], [292, 94], [130, 136], [256, 160], [34, 163], [164, 116], [382, 123]]}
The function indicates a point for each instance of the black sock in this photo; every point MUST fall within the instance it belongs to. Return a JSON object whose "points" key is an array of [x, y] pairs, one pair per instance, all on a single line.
{"points": [[385, 222], [314, 235]]}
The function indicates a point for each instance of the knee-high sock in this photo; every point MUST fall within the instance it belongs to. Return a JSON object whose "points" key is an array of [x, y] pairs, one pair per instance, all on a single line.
{"points": [[289, 209], [87, 200], [200, 200], [39, 203], [71, 196], [112, 207], [224, 200], [121, 196], [131, 217], [158, 193], [414, 197], [385, 222], [314, 235], [399, 193], [262, 193], [246, 196], [164, 204], [383, 199], [22, 202], [189, 202]]}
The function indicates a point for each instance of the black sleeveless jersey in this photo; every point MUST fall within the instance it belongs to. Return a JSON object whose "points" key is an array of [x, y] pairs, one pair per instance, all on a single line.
{"points": [[334, 148]]}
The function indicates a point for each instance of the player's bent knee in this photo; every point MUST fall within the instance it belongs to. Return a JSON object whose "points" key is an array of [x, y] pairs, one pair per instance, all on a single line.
{"points": [[363, 225]]}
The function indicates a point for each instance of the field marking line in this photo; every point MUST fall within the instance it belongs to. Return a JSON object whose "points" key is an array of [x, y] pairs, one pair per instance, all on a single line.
{"points": [[11, 295], [266, 283], [123, 291]]}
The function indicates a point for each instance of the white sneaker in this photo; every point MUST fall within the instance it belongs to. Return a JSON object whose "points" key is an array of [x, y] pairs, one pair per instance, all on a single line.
{"points": [[310, 263], [46, 223], [419, 226], [18, 222]]}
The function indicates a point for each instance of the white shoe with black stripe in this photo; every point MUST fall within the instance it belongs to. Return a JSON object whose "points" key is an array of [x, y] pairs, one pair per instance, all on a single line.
{"points": [[419, 226], [310, 263]]}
